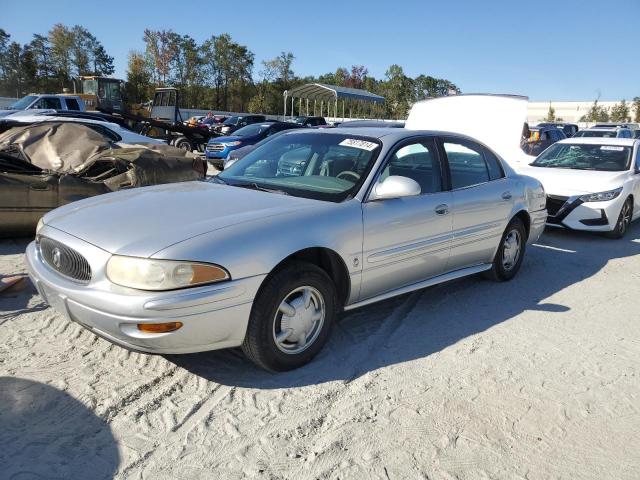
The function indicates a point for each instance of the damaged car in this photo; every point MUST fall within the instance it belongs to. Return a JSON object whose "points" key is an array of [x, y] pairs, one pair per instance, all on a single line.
{"points": [[46, 165]]}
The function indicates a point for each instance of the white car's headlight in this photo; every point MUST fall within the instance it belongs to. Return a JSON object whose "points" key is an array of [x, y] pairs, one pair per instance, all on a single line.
{"points": [[150, 274], [232, 144], [39, 225], [601, 196]]}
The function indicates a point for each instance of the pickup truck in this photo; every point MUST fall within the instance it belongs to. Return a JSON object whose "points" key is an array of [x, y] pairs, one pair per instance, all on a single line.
{"points": [[46, 102]]}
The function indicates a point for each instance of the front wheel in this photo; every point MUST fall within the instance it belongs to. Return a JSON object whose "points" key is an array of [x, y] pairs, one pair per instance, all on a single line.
{"points": [[291, 317], [624, 220], [510, 253]]}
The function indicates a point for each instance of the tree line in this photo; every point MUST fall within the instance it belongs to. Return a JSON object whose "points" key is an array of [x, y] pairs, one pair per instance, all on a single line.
{"points": [[49, 62], [620, 112], [218, 73]]}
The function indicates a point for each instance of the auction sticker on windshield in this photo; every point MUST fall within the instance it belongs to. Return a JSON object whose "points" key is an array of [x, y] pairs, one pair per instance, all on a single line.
{"points": [[612, 149], [355, 143]]}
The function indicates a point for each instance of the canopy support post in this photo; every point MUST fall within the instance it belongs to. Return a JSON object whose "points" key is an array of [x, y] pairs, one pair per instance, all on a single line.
{"points": [[307, 107], [284, 114], [292, 108]]}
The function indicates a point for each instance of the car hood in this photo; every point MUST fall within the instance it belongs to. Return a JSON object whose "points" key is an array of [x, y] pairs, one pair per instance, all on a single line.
{"points": [[495, 120], [230, 138], [567, 182], [142, 221]]}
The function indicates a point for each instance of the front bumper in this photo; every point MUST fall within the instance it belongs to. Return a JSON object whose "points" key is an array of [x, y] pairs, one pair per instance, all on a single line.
{"points": [[213, 316], [587, 216]]}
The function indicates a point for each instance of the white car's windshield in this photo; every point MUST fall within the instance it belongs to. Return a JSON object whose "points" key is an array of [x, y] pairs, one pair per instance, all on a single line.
{"points": [[606, 158], [23, 102], [597, 133], [320, 166]]}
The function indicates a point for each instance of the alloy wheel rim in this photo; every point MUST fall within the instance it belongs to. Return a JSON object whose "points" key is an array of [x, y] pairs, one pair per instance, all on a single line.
{"points": [[298, 320], [511, 250], [625, 217]]}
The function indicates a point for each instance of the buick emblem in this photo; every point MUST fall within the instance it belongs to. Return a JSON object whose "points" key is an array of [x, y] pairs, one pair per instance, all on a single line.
{"points": [[56, 257]]}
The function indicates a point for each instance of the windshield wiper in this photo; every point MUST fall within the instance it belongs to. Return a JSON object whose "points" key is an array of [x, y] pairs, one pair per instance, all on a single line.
{"points": [[255, 186]]}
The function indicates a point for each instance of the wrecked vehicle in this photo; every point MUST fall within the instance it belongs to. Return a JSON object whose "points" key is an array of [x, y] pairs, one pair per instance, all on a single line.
{"points": [[46, 165]]}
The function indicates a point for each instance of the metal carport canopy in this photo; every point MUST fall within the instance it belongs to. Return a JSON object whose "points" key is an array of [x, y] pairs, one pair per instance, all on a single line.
{"points": [[320, 91]]}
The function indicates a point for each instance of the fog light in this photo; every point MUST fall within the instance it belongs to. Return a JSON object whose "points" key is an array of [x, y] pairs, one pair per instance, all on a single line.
{"points": [[159, 327]]}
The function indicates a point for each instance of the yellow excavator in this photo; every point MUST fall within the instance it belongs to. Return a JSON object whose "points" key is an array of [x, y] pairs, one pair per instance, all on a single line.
{"points": [[99, 93]]}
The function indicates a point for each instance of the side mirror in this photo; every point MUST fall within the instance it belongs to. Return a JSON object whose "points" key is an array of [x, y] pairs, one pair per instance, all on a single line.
{"points": [[395, 186]]}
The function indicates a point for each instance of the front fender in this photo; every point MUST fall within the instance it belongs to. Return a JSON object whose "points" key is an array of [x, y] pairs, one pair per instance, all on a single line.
{"points": [[256, 247]]}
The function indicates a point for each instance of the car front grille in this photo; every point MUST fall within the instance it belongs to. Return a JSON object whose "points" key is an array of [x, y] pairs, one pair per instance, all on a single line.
{"points": [[555, 203], [64, 260], [215, 147]]}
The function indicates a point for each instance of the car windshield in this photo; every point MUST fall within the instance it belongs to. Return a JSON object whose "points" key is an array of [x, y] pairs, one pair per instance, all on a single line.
{"points": [[605, 158], [299, 120], [23, 102], [250, 130], [327, 167], [231, 121], [597, 133]]}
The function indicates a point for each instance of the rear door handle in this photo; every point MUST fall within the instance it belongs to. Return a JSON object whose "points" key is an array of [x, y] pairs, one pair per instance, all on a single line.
{"points": [[442, 209], [39, 186], [506, 196]]}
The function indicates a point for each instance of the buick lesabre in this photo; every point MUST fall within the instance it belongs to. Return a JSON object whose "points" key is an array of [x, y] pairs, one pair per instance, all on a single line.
{"points": [[267, 254]]}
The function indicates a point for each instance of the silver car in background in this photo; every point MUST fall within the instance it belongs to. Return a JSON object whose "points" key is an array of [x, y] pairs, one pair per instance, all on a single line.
{"points": [[268, 253]]}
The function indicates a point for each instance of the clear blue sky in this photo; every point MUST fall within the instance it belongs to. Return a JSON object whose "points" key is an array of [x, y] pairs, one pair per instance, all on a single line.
{"points": [[559, 50]]}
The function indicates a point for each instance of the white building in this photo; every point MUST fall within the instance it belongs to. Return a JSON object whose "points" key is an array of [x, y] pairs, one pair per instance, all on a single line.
{"points": [[567, 111]]}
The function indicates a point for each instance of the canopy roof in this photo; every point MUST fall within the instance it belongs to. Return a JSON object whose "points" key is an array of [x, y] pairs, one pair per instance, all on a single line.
{"points": [[320, 91]]}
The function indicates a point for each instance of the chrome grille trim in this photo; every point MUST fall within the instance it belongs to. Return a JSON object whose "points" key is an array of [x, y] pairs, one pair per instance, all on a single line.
{"points": [[69, 263], [215, 147]]}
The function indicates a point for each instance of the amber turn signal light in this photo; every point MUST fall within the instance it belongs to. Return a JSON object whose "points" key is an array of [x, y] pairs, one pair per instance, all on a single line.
{"points": [[159, 327]]}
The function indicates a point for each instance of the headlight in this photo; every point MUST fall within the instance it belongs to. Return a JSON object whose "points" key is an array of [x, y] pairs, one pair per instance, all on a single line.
{"points": [[601, 196], [232, 144], [150, 274], [39, 225]]}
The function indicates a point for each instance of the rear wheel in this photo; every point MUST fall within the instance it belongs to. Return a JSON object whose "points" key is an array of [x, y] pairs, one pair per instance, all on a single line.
{"points": [[291, 317], [183, 144], [510, 253], [624, 220]]}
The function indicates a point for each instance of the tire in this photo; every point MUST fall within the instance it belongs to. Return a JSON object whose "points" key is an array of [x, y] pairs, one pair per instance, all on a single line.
{"points": [[183, 144], [505, 267], [624, 220], [268, 321]]}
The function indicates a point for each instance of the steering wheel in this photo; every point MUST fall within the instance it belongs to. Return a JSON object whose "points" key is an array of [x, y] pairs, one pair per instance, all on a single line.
{"points": [[348, 173]]}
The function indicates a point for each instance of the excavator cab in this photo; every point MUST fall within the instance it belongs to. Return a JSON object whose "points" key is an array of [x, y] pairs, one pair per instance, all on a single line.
{"points": [[102, 93]]}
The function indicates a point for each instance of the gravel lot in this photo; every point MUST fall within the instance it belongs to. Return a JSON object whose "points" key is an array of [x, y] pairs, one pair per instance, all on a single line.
{"points": [[533, 379]]}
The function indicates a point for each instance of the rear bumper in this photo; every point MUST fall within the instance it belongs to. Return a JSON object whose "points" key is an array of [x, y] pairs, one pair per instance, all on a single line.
{"points": [[538, 222], [213, 317]]}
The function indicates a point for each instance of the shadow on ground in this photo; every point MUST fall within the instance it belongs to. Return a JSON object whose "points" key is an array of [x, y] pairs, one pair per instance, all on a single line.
{"points": [[418, 324], [45, 433]]}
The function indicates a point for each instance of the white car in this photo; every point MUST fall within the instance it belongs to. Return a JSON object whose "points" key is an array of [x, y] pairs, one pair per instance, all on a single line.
{"points": [[603, 132], [117, 133], [592, 183]]}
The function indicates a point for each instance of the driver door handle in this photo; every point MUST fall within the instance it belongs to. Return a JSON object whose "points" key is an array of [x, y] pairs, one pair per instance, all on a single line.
{"points": [[39, 186], [442, 209], [506, 196]]}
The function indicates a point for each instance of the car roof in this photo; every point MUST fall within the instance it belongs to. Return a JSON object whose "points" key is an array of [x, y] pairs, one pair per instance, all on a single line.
{"points": [[390, 135], [624, 142], [601, 129]]}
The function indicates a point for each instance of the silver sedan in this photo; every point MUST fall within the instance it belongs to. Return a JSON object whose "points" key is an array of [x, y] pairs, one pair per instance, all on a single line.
{"points": [[267, 254]]}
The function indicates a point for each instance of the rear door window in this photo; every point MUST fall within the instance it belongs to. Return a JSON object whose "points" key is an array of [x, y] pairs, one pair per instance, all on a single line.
{"points": [[72, 104], [467, 165]]}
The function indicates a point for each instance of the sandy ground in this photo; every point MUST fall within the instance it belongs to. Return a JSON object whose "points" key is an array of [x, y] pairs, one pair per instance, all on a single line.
{"points": [[534, 379]]}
